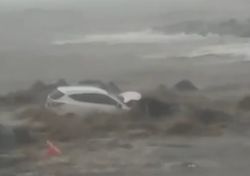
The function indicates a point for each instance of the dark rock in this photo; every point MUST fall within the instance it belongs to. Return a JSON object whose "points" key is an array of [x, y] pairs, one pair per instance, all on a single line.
{"points": [[37, 93], [61, 82], [7, 139], [162, 88], [8, 160], [37, 86], [210, 116], [22, 135], [155, 108], [183, 127], [185, 85], [12, 137], [244, 104], [112, 87]]}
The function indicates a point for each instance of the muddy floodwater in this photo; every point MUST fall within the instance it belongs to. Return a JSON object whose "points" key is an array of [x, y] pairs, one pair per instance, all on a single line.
{"points": [[139, 45], [152, 156], [226, 154]]}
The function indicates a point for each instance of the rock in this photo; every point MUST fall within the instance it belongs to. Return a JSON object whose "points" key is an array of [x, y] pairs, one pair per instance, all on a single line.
{"points": [[10, 160], [210, 116], [244, 104], [22, 135], [38, 86], [36, 94], [113, 88], [61, 82], [11, 137], [7, 139], [154, 107], [185, 85], [183, 127]]}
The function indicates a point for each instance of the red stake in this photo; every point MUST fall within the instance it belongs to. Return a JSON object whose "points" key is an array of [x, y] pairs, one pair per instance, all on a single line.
{"points": [[52, 150]]}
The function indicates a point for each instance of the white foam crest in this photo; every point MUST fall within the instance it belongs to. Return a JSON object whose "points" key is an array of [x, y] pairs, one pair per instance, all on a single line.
{"points": [[140, 37], [236, 49]]}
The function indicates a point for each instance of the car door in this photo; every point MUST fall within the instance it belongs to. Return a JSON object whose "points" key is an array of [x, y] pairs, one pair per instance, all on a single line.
{"points": [[92, 102]]}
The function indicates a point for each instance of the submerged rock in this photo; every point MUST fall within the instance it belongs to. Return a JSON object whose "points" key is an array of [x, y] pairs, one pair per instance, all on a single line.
{"points": [[7, 139], [185, 85], [244, 104], [12, 137], [155, 108]]}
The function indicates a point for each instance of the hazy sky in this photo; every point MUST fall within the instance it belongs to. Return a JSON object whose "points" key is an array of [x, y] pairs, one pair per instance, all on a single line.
{"points": [[223, 4], [204, 8]]}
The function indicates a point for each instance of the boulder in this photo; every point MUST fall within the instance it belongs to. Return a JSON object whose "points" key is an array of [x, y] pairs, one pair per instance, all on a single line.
{"points": [[154, 107], [7, 139], [185, 85], [211, 116], [244, 104]]}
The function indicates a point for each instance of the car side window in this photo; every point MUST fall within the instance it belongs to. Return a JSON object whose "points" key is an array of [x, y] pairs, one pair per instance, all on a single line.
{"points": [[93, 98]]}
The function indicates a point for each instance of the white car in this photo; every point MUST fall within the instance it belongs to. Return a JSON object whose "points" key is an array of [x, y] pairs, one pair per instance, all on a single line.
{"points": [[82, 100]]}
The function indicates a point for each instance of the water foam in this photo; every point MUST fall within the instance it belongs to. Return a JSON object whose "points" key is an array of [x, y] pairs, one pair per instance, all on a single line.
{"points": [[235, 49], [139, 37]]}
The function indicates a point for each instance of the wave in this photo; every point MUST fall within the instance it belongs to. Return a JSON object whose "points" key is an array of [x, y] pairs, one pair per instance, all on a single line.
{"points": [[235, 49], [139, 37]]}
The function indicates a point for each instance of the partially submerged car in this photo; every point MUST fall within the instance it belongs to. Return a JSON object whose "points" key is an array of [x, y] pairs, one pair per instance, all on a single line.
{"points": [[82, 100]]}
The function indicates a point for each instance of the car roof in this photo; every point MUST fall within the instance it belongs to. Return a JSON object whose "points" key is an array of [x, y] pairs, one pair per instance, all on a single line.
{"points": [[81, 89]]}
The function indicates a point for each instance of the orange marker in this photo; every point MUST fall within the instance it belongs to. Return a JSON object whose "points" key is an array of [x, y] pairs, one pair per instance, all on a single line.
{"points": [[52, 150]]}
